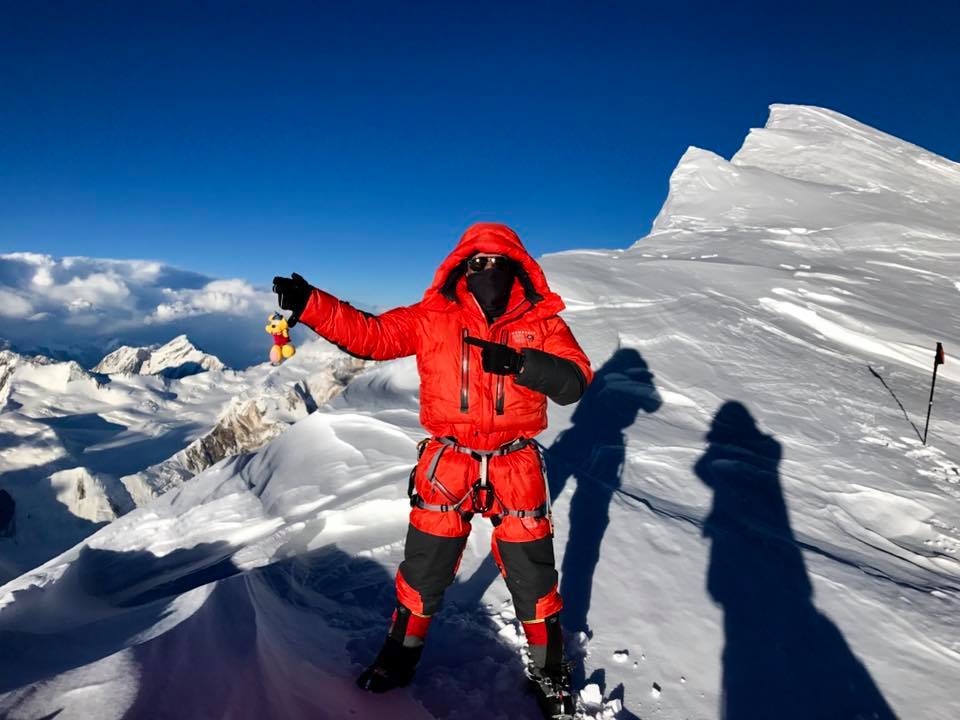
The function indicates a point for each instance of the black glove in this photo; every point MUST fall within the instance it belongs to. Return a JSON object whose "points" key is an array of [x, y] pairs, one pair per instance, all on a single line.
{"points": [[292, 294], [497, 358]]}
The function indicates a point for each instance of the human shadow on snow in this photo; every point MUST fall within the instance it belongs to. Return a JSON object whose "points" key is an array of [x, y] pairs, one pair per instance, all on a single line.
{"points": [[782, 658], [592, 450]]}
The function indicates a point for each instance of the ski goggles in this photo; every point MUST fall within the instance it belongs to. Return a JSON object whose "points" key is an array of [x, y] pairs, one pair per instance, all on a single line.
{"points": [[478, 263]]}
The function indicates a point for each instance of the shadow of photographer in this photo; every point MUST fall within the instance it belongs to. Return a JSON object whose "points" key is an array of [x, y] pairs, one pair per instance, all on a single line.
{"points": [[782, 658]]}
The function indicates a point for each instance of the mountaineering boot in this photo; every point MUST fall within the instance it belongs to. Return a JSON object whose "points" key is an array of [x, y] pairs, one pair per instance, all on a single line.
{"points": [[398, 658], [551, 685], [547, 672], [393, 668]]}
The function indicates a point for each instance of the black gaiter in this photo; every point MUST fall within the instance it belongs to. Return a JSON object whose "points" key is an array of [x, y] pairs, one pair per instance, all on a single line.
{"points": [[491, 287]]}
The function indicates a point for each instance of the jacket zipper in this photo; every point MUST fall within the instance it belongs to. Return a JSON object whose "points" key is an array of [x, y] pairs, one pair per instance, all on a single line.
{"points": [[465, 362], [499, 405], [506, 317], [464, 372]]}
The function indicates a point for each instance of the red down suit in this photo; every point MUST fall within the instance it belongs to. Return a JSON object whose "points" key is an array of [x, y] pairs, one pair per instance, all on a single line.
{"points": [[480, 410]]}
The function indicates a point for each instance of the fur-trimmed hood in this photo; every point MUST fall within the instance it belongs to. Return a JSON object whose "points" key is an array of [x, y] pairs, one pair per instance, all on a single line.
{"points": [[501, 240]]}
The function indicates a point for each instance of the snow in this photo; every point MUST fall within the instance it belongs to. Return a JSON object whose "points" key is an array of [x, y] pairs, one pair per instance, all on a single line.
{"points": [[772, 530], [124, 359], [92, 497], [178, 358], [79, 448]]}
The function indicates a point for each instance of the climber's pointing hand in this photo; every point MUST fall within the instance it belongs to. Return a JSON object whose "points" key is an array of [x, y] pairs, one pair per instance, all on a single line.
{"points": [[497, 358]]}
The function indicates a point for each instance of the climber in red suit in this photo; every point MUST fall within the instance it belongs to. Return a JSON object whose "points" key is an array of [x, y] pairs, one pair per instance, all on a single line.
{"points": [[490, 350]]}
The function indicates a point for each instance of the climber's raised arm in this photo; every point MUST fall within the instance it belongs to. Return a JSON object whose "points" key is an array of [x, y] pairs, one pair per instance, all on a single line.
{"points": [[391, 334]]}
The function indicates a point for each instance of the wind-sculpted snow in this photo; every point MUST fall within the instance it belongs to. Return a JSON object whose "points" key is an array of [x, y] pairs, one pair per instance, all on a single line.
{"points": [[748, 523], [79, 448], [821, 146]]}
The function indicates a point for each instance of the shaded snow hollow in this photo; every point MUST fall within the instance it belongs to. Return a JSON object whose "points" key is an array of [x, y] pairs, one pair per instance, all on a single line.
{"points": [[802, 566]]}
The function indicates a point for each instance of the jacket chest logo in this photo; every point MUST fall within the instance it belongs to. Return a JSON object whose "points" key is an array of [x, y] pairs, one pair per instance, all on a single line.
{"points": [[522, 337]]}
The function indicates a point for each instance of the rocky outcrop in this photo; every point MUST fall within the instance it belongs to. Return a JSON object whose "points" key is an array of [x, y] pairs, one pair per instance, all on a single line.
{"points": [[94, 497], [8, 363]]}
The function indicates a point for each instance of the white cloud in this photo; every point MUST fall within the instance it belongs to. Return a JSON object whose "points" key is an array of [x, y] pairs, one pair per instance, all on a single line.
{"points": [[14, 305], [230, 297], [145, 270], [42, 278], [95, 290], [30, 258], [79, 305]]}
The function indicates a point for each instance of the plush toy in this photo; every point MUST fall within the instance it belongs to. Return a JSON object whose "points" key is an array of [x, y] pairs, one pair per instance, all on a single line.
{"points": [[282, 348]]}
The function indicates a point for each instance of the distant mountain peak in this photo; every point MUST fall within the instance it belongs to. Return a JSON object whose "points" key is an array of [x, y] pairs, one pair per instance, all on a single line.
{"points": [[180, 341], [177, 358], [125, 359]]}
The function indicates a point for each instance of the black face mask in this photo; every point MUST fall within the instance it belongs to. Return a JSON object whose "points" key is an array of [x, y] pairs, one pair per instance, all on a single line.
{"points": [[491, 287]]}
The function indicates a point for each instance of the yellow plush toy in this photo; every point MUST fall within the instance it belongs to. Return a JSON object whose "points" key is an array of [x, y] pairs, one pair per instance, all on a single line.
{"points": [[282, 348]]}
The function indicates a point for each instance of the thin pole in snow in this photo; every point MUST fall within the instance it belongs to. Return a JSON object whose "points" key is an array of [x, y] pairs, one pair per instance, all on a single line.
{"points": [[937, 362]]}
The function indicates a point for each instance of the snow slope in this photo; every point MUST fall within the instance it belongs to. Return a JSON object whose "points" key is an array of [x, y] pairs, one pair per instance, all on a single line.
{"points": [[79, 448], [774, 540]]}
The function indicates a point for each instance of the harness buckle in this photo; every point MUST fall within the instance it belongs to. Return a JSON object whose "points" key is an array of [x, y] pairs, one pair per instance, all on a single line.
{"points": [[482, 496]]}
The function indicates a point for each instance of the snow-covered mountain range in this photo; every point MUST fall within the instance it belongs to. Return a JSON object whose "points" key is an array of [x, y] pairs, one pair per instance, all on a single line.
{"points": [[176, 358], [80, 448], [749, 524]]}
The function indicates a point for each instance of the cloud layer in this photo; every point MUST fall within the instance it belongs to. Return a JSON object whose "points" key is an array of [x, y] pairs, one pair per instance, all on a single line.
{"points": [[83, 307]]}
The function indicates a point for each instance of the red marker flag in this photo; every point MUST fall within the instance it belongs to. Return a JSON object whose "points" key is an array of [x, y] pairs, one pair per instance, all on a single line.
{"points": [[941, 357]]}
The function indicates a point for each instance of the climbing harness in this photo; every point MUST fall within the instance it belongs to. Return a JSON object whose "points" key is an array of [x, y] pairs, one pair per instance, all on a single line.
{"points": [[481, 494]]}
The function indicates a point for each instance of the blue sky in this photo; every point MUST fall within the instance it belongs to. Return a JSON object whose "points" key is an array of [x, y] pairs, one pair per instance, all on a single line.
{"points": [[353, 142]]}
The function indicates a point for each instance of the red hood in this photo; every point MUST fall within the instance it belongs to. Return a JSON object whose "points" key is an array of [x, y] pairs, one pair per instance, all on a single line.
{"points": [[499, 239]]}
